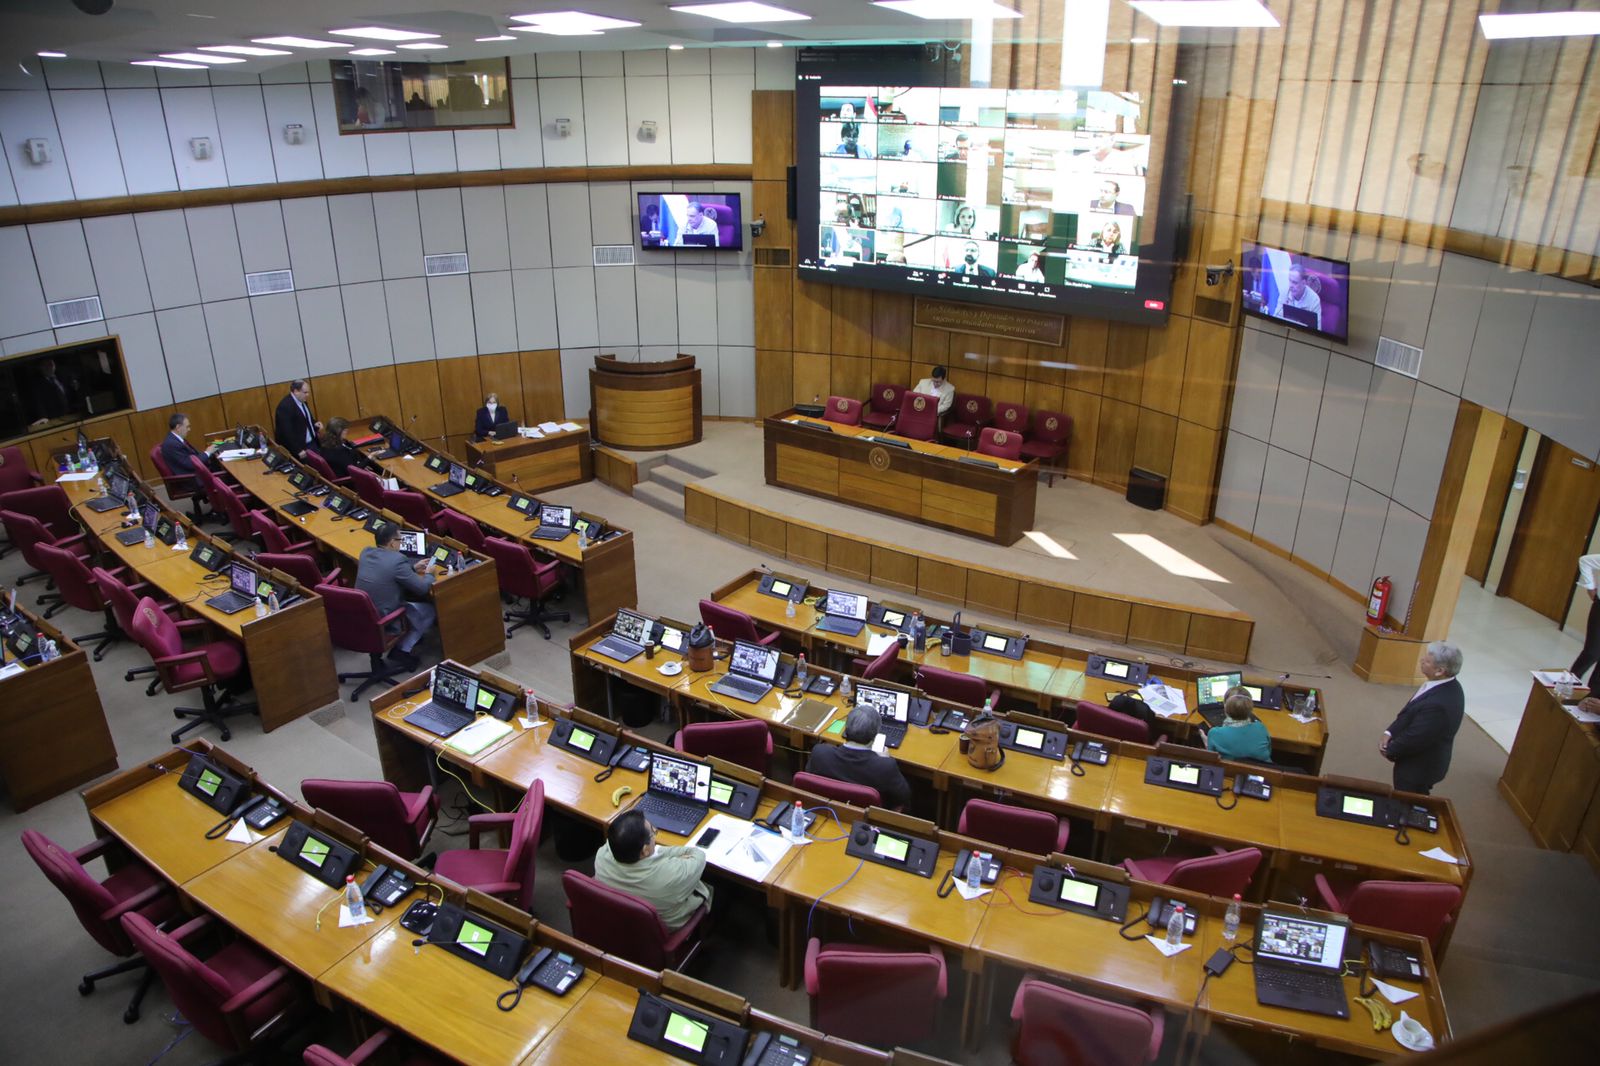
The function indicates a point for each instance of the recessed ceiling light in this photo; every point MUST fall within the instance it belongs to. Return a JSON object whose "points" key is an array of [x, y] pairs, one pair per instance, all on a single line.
{"points": [[950, 10], [1138, 40], [502, 37], [299, 42], [1214, 13], [674, 47], [200, 57], [51, 55], [423, 47], [382, 33], [165, 63], [743, 11], [569, 23], [371, 52], [1540, 24], [774, 44], [244, 50]]}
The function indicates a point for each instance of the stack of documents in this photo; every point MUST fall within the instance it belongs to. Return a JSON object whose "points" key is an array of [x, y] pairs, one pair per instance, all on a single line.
{"points": [[1165, 700], [745, 848]]}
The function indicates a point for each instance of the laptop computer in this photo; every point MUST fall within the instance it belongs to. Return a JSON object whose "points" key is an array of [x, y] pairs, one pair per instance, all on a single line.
{"points": [[1212, 688], [504, 430], [678, 795], [452, 709], [1301, 316], [298, 508], [752, 672], [241, 591], [456, 482], [894, 711], [1298, 961], [629, 634], [844, 613], [555, 522], [116, 494]]}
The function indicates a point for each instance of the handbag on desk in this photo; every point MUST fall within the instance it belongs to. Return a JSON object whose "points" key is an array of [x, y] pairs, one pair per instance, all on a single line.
{"points": [[701, 642], [981, 742]]}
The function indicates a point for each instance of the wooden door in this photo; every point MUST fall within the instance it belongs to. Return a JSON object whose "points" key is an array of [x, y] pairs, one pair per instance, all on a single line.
{"points": [[1494, 500], [1553, 529]]}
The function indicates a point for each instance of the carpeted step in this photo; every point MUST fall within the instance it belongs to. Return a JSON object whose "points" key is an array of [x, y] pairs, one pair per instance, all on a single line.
{"points": [[695, 471], [672, 478], [662, 498]]}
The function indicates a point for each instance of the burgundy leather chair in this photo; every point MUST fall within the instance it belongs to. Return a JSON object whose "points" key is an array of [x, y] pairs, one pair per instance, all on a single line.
{"points": [[1001, 443], [266, 532], [27, 533], [238, 998], [75, 582], [1224, 874], [843, 410], [124, 600], [355, 625], [396, 821], [1049, 441], [49, 504], [100, 905], [205, 668], [15, 474], [731, 624], [317, 1055], [883, 406], [1011, 417], [178, 486], [230, 504], [1056, 1026], [881, 665], [458, 526], [951, 687], [918, 417], [968, 414], [1416, 907], [412, 507], [522, 577], [862, 796], [302, 568], [1014, 827], [747, 742], [624, 925], [367, 486], [1104, 722], [875, 996], [503, 872], [317, 463]]}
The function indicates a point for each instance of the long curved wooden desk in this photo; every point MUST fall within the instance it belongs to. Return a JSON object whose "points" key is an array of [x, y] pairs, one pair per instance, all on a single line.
{"points": [[644, 405]]}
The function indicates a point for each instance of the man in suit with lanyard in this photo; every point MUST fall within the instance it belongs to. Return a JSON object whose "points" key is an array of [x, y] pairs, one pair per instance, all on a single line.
{"points": [[293, 425], [1420, 739]]}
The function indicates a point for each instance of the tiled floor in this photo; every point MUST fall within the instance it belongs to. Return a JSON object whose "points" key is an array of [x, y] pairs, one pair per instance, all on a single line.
{"points": [[1500, 641]]}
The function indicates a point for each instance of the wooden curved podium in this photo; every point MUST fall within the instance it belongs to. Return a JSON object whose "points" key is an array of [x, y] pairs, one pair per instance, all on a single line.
{"points": [[643, 406]]}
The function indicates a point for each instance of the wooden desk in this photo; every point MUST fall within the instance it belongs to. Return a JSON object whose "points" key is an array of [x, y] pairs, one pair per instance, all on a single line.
{"points": [[159, 822], [536, 463], [645, 405], [53, 732], [1552, 775], [925, 483]]}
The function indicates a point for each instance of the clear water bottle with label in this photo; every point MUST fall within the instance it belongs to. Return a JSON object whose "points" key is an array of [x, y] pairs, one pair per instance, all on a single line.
{"points": [[844, 687], [1175, 926], [797, 820], [788, 607], [183, 540], [1230, 919], [583, 537], [530, 708], [149, 537], [975, 864], [802, 673], [354, 902], [272, 603]]}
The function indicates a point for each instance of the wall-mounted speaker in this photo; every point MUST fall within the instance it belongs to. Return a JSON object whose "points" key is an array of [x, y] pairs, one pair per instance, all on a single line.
{"points": [[792, 193]]}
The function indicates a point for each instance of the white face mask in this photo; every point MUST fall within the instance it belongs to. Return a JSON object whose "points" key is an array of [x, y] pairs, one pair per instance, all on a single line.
{"points": [[491, 405]]}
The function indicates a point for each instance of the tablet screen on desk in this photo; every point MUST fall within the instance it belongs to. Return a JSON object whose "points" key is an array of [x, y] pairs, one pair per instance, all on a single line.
{"points": [[1179, 774], [894, 849], [1081, 893], [721, 792], [208, 782], [314, 851], [685, 1032], [475, 938], [581, 739], [485, 698], [992, 642], [1358, 806], [781, 588], [895, 619], [1116, 670], [1031, 739]]}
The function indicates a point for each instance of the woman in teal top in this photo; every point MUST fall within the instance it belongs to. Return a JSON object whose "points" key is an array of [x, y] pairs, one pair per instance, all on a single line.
{"points": [[1240, 735]]}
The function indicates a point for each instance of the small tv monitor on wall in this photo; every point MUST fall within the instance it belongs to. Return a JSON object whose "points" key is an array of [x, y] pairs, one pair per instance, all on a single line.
{"points": [[669, 221], [1297, 290]]}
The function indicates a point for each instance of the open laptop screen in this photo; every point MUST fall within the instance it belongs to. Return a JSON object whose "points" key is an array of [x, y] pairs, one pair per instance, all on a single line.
{"points": [[414, 542], [680, 777], [886, 701], [846, 605], [458, 475], [243, 579], [630, 626], [754, 660], [552, 515], [452, 687], [1215, 686], [1300, 941]]}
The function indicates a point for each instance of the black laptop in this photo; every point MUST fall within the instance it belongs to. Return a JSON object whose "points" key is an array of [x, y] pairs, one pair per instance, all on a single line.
{"points": [[454, 703], [241, 591], [455, 483], [1212, 689], [116, 495], [555, 522], [1298, 962], [504, 430], [678, 795], [844, 613]]}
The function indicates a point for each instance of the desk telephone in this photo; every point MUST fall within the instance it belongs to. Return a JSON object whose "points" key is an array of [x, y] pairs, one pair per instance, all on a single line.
{"points": [[778, 820], [1160, 914], [1253, 785], [263, 812], [629, 757], [385, 887], [1090, 751], [958, 872], [776, 1049], [554, 971]]}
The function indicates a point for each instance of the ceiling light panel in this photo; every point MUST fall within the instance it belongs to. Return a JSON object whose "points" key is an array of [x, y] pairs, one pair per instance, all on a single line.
{"points": [[382, 33], [502, 37], [1206, 13], [298, 42], [569, 23], [51, 55], [430, 47], [167, 64], [244, 50], [950, 10], [200, 57], [746, 12], [1540, 24], [371, 52]]}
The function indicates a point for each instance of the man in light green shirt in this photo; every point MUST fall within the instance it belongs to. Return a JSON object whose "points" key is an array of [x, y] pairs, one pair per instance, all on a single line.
{"points": [[666, 878]]}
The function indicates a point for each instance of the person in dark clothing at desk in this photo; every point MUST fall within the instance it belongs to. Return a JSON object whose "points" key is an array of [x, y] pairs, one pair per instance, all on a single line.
{"points": [[491, 414], [293, 425], [53, 394], [391, 579], [856, 762], [1420, 739], [179, 453], [336, 448]]}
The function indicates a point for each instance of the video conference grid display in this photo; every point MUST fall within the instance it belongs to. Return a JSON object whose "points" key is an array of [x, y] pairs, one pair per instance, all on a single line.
{"points": [[630, 626], [846, 605], [1024, 190], [690, 780], [887, 702], [754, 660], [1300, 940]]}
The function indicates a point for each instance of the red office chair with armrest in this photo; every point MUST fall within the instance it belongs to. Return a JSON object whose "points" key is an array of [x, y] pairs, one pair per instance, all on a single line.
{"points": [[412, 507], [1000, 443], [367, 486], [503, 872], [875, 996], [77, 587], [325, 471], [882, 665], [302, 568], [522, 577], [317, 1055], [918, 417], [1014, 827], [100, 905], [950, 687], [27, 533], [213, 485], [206, 668], [747, 742], [968, 414], [731, 624], [1104, 722], [266, 532], [396, 821], [355, 625], [619, 923], [1224, 874], [1056, 1026], [15, 474], [1011, 417], [843, 410], [124, 600], [178, 486], [458, 526], [230, 505], [883, 406], [1420, 908], [1049, 441], [238, 998], [862, 796]]}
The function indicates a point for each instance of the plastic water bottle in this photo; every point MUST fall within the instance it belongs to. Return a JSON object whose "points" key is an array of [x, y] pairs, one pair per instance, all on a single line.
{"points": [[183, 540], [797, 820], [149, 537], [354, 902], [802, 673], [1311, 702], [844, 687], [272, 603], [48, 650], [530, 708], [100, 485], [1230, 919], [788, 608], [261, 608], [988, 705], [1175, 927], [583, 538], [975, 865]]}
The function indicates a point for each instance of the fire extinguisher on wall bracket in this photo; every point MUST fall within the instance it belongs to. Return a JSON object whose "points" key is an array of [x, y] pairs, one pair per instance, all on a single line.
{"points": [[1378, 602]]}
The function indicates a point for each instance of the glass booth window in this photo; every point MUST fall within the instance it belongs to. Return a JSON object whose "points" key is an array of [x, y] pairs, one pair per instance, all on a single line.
{"points": [[378, 96]]}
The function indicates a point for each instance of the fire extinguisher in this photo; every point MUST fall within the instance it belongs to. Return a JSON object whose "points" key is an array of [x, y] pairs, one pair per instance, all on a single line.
{"points": [[1378, 603]]}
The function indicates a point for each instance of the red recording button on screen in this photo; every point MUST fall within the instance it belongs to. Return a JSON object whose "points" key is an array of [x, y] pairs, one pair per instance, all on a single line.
{"points": [[1155, 305]]}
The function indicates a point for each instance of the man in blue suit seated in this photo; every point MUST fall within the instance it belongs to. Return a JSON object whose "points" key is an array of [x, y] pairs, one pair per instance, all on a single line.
{"points": [[1420, 739], [179, 453], [491, 414]]}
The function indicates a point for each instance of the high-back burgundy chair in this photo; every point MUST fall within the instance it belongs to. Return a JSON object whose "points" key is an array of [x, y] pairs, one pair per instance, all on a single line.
{"points": [[1056, 1026], [883, 406], [1014, 827], [918, 417], [266, 532], [523, 578], [619, 923], [179, 487], [969, 413], [747, 742], [950, 687], [843, 410], [1224, 874], [49, 504], [124, 600], [367, 486], [1104, 722], [1420, 908], [317, 1055], [879, 666], [302, 568], [100, 905], [238, 998], [1048, 442], [324, 470], [15, 474], [728, 623], [1001, 443], [458, 526], [872, 995], [412, 507], [75, 582], [205, 668], [230, 504], [503, 872], [355, 625], [1011, 417], [862, 796], [27, 533], [396, 821]]}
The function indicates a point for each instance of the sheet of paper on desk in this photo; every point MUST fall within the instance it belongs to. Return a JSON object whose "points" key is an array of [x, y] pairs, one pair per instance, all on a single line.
{"points": [[879, 641], [231, 454], [1582, 716], [86, 476], [1392, 993], [744, 848], [1164, 700], [1441, 855], [1552, 678], [570, 427], [530, 432], [549, 427], [1167, 949], [10, 670], [241, 833]]}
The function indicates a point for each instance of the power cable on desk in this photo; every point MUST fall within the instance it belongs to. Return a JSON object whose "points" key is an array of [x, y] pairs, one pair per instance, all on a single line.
{"points": [[851, 876]]}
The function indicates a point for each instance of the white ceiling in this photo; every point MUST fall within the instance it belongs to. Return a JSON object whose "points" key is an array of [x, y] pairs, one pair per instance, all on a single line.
{"points": [[142, 29]]}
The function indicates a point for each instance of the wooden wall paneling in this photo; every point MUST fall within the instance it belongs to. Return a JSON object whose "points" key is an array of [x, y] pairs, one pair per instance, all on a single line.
{"points": [[775, 389], [1494, 500], [733, 521], [770, 200], [1114, 449], [892, 371], [891, 325], [774, 301], [992, 591], [145, 430], [813, 316], [421, 409], [332, 396], [808, 545], [850, 377], [1216, 637], [939, 579], [377, 392], [1041, 397], [542, 396], [1164, 368], [894, 569], [849, 556], [699, 508], [812, 377], [501, 374], [1208, 374], [1100, 616], [1158, 626], [1046, 604], [250, 407], [852, 321], [1154, 442], [1002, 389], [769, 533], [461, 389], [931, 346], [1085, 411], [1087, 340], [1125, 357], [1011, 359], [205, 414], [772, 115], [1191, 487]]}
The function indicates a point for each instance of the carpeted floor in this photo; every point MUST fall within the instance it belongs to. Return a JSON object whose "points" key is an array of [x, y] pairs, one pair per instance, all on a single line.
{"points": [[1528, 936]]}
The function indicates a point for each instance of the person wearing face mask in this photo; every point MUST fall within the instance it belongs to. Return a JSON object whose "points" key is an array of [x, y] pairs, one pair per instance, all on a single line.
{"points": [[491, 414]]}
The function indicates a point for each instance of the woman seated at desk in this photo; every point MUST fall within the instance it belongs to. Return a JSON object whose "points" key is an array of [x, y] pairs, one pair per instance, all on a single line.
{"points": [[1240, 735], [491, 414]]}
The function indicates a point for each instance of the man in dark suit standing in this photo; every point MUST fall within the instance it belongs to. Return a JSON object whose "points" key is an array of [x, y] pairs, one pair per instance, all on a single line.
{"points": [[293, 425], [1420, 739], [491, 414]]}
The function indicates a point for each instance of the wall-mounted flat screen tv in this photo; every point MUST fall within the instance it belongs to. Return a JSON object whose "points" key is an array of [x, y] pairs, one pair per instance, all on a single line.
{"points": [[1297, 290], [673, 220]]}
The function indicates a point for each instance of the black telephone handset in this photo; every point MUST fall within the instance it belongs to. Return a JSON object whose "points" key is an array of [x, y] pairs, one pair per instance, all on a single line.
{"points": [[1090, 751], [775, 1049], [266, 813], [629, 756], [778, 820], [1415, 816], [554, 971], [385, 887], [1253, 785], [1160, 914]]}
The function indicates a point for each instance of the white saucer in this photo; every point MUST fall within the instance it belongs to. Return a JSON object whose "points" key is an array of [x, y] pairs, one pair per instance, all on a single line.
{"points": [[671, 669], [1424, 1042]]}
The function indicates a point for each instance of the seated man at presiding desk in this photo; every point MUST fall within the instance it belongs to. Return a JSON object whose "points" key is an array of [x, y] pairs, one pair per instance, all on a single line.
{"points": [[666, 878], [179, 454], [491, 414], [1240, 734], [391, 579], [855, 761], [936, 384]]}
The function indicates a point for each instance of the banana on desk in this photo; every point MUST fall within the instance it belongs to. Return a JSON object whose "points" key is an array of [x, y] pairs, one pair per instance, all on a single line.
{"points": [[1378, 1007]]}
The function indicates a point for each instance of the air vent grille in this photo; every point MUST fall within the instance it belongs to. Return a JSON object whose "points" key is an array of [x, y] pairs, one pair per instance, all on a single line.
{"points": [[1401, 358], [451, 263], [613, 255], [1214, 310], [75, 312], [269, 281], [772, 257]]}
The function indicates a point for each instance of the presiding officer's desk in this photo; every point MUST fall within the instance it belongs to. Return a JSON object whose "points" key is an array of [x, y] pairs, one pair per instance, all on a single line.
{"points": [[1552, 775], [289, 652], [606, 565], [992, 499], [534, 464], [53, 732]]}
